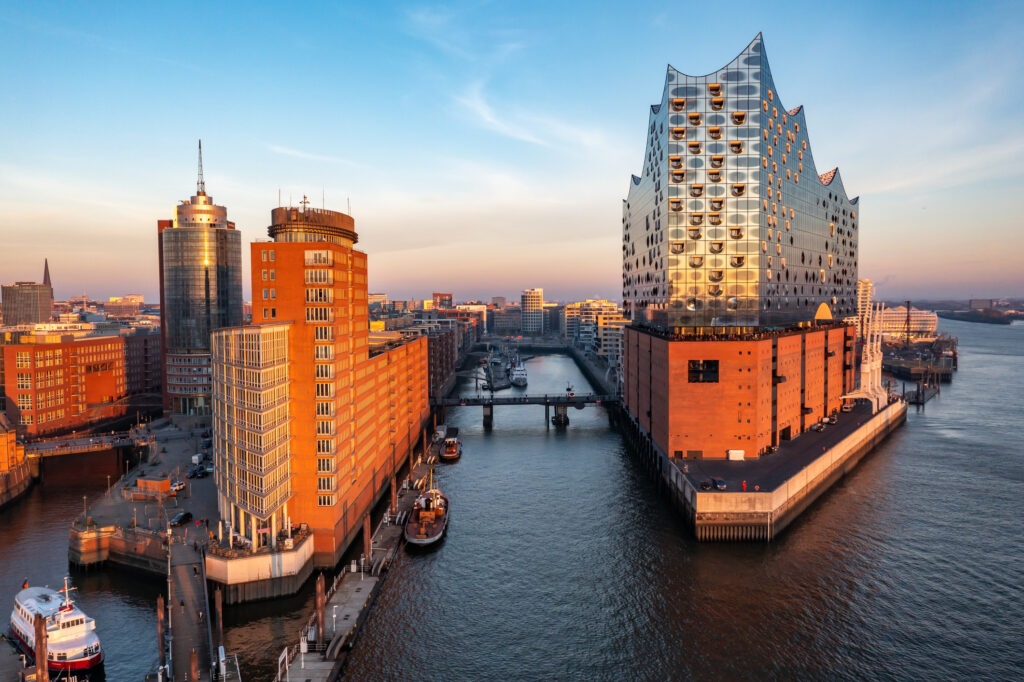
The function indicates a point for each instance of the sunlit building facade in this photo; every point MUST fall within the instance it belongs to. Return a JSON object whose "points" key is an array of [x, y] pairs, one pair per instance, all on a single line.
{"points": [[309, 422], [200, 254], [730, 223], [25, 303], [739, 259], [533, 312]]}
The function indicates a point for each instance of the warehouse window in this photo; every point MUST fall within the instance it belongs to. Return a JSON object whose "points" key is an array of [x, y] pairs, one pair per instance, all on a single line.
{"points": [[703, 372]]}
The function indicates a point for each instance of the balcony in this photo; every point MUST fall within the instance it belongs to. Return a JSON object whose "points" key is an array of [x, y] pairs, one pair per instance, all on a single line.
{"points": [[696, 190], [678, 103]]}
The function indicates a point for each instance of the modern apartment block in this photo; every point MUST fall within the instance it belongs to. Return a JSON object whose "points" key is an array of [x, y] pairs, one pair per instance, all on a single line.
{"points": [[739, 260], [533, 312], [309, 424], [25, 303], [200, 290]]}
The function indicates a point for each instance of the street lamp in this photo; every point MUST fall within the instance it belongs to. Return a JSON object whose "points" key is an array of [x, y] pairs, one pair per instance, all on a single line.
{"points": [[85, 510], [108, 485]]}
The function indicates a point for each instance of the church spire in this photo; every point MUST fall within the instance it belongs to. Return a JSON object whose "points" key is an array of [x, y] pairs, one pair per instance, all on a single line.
{"points": [[201, 184], [46, 273]]}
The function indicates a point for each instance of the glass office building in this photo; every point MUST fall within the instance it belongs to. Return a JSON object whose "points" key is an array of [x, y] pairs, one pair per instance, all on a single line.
{"points": [[200, 290], [730, 223]]}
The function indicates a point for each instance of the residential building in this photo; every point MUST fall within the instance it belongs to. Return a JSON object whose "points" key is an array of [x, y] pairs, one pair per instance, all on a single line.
{"points": [[200, 258], [738, 257], [443, 301], [309, 422], [533, 312]]}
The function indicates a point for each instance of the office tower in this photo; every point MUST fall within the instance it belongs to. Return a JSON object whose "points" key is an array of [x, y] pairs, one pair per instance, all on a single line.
{"points": [[533, 311], [27, 302], [200, 290], [737, 255], [308, 422], [730, 223]]}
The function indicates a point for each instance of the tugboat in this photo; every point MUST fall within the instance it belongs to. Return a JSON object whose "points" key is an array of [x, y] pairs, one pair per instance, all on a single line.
{"points": [[451, 448], [428, 519], [71, 640]]}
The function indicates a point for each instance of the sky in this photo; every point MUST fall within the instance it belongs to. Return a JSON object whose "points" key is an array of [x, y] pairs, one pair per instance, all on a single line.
{"points": [[484, 148]]}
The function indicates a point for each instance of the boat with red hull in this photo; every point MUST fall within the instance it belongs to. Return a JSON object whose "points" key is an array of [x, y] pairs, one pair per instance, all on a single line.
{"points": [[71, 641]]}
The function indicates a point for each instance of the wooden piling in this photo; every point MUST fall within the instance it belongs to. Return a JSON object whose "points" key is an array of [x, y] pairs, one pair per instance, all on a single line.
{"points": [[42, 667], [218, 609], [321, 600], [161, 615]]}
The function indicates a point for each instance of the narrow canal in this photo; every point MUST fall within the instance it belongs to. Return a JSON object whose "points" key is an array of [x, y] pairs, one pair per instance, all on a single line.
{"points": [[563, 562]]}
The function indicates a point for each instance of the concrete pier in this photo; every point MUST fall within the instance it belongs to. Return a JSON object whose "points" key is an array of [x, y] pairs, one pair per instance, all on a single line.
{"points": [[188, 615], [765, 495]]}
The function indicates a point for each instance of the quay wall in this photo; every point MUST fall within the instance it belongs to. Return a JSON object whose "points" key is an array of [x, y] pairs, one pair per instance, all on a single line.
{"points": [[261, 576], [14, 483], [741, 516], [136, 549]]}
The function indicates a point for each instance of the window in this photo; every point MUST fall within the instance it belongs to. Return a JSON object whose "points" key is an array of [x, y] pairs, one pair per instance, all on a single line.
{"points": [[324, 409], [325, 483], [325, 500], [324, 465], [324, 390], [24, 381], [323, 333], [319, 257], [325, 428], [22, 360], [325, 446], [703, 372]]}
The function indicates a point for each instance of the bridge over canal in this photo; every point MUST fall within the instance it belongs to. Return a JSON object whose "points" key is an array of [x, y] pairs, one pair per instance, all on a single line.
{"points": [[561, 402]]}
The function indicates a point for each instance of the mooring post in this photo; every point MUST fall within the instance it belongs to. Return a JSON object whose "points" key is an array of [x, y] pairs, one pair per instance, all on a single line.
{"points": [[160, 615], [218, 607], [367, 540], [488, 415], [394, 494], [547, 415]]}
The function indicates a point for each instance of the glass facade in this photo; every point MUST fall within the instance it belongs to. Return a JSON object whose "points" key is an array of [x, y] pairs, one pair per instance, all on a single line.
{"points": [[730, 224], [200, 290]]}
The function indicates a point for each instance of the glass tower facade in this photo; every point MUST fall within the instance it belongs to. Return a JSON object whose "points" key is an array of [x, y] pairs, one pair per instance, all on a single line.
{"points": [[730, 224], [200, 290]]}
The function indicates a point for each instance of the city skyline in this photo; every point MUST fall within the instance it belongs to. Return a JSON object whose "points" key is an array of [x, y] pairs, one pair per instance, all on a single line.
{"points": [[484, 149]]}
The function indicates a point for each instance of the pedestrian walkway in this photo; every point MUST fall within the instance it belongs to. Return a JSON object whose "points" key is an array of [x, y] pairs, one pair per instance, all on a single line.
{"points": [[188, 605]]}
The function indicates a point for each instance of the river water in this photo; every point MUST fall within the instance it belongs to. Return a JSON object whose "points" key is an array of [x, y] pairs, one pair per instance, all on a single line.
{"points": [[563, 562]]}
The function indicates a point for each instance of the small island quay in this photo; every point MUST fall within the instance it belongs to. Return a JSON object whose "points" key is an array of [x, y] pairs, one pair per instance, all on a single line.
{"points": [[303, 443]]}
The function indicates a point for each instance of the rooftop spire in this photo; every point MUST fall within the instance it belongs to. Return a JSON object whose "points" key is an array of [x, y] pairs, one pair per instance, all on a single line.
{"points": [[46, 272], [201, 184]]}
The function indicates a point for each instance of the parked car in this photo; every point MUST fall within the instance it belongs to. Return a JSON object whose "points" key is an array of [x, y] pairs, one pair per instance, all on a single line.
{"points": [[847, 407], [705, 485], [177, 486], [181, 518], [719, 483], [817, 427]]}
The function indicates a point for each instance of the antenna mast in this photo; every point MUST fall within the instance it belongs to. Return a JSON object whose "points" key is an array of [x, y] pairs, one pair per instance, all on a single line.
{"points": [[201, 184]]}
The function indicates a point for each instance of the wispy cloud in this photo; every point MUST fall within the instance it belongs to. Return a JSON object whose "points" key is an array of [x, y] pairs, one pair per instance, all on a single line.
{"points": [[527, 126], [474, 102], [308, 156], [462, 39]]}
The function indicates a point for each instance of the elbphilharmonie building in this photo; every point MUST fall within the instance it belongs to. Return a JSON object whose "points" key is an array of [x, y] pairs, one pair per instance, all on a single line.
{"points": [[731, 224]]}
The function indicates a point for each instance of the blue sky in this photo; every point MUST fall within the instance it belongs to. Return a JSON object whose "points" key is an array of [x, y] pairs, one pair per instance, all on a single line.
{"points": [[486, 147]]}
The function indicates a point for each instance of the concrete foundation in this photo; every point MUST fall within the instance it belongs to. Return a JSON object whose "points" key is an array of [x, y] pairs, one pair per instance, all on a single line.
{"points": [[762, 515]]}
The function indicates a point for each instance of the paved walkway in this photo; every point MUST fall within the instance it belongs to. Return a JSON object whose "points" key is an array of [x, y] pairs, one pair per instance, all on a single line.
{"points": [[189, 613]]}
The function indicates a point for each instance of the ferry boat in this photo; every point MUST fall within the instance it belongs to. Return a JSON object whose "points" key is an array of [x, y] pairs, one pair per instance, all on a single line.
{"points": [[71, 640], [428, 519], [518, 375]]}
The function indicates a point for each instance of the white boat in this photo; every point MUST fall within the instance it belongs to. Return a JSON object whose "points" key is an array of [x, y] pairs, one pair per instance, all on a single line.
{"points": [[71, 640], [518, 375]]}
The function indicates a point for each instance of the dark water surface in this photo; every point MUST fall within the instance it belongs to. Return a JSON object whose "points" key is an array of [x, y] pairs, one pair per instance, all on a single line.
{"points": [[562, 561]]}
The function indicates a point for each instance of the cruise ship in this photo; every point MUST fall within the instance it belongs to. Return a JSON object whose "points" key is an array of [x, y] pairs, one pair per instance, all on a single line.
{"points": [[518, 374]]}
